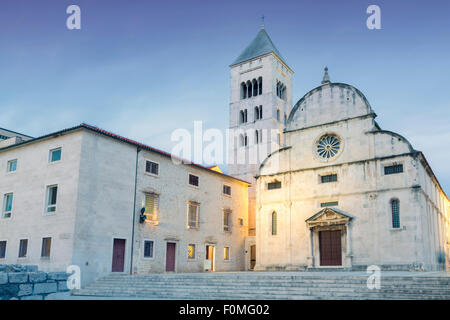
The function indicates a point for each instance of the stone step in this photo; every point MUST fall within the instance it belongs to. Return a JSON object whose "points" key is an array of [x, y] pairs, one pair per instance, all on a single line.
{"points": [[287, 286], [267, 286]]}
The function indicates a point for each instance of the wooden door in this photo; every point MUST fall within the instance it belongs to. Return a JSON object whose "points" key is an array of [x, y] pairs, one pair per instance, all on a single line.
{"points": [[170, 257], [252, 257], [330, 248], [210, 253], [118, 262]]}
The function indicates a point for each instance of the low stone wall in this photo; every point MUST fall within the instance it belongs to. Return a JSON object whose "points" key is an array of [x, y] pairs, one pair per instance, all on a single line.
{"points": [[19, 282]]}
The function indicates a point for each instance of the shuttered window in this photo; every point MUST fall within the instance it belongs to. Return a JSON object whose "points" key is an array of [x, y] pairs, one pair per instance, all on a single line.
{"points": [[151, 206], [191, 251], [193, 209], [226, 220]]}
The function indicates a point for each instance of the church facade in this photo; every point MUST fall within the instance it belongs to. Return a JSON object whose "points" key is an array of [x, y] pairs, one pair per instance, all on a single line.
{"points": [[336, 190]]}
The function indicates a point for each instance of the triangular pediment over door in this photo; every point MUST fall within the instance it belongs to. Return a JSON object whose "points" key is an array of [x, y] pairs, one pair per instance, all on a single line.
{"points": [[329, 217]]}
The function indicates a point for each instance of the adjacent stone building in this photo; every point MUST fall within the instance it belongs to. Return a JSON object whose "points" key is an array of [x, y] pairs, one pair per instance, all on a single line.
{"points": [[84, 196]]}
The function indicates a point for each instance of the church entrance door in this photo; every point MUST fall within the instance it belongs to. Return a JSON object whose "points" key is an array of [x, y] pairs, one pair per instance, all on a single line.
{"points": [[330, 248]]}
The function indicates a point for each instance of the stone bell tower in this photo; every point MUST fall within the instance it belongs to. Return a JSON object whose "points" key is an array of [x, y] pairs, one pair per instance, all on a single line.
{"points": [[260, 102]]}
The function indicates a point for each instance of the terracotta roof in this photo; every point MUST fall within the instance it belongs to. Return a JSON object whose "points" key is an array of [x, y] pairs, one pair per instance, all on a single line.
{"points": [[126, 140]]}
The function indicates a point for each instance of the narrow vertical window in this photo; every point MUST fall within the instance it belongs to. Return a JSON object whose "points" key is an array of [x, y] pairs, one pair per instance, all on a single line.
{"points": [[226, 253], [260, 112], [274, 223], [7, 205], [278, 114], [52, 192], [191, 251], [226, 190], [46, 246], [193, 209], [23, 248], [395, 208], [55, 155], [151, 206], [2, 249], [256, 136], [148, 249], [227, 220], [256, 113], [260, 85]]}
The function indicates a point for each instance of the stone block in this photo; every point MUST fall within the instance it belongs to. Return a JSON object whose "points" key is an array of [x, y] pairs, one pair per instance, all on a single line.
{"points": [[62, 286], [58, 276], [3, 277], [18, 277], [25, 290], [37, 276], [8, 291], [35, 297], [40, 288], [31, 268]]}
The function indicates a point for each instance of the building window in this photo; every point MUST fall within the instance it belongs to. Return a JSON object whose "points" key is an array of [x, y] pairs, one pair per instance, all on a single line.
{"points": [[23, 247], [193, 180], [191, 251], [274, 223], [52, 192], [241, 222], [274, 185], [2, 249], [329, 178], [151, 167], [148, 249], [226, 253], [328, 146], [395, 208], [279, 139], [260, 112], [7, 205], [151, 206], [227, 220], [260, 85], [329, 204], [193, 209], [46, 246], [256, 113], [11, 166], [397, 168], [226, 190], [278, 114], [55, 155], [256, 136]]}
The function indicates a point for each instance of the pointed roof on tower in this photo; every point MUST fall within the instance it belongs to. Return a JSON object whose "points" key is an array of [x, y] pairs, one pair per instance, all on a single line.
{"points": [[261, 45]]}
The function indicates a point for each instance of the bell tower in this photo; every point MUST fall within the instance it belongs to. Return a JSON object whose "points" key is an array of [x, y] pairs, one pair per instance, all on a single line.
{"points": [[260, 102]]}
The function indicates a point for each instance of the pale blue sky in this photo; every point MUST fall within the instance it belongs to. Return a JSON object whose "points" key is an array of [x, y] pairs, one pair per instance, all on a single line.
{"points": [[144, 68]]}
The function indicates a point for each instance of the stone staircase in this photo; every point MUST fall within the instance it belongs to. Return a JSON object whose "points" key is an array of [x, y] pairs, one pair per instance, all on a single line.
{"points": [[271, 285]]}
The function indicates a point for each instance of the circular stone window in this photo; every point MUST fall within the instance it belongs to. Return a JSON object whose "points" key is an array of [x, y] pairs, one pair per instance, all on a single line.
{"points": [[328, 146]]}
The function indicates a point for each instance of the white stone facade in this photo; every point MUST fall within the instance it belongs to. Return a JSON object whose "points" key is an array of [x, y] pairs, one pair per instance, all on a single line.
{"points": [[100, 192], [359, 201]]}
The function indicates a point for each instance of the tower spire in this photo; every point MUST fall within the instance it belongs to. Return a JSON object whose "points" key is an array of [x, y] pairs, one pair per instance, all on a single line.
{"points": [[262, 20], [326, 77]]}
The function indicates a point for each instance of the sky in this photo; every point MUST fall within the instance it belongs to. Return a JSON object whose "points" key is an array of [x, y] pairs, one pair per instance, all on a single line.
{"points": [[143, 68]]}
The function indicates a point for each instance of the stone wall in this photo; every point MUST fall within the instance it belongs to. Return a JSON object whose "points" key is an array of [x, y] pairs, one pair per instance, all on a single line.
{"points": [[19, 282]]}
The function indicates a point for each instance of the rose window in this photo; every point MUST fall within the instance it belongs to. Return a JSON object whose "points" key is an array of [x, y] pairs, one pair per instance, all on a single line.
{"points": [[328, 146]]}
